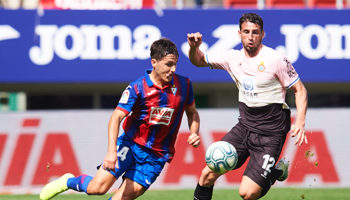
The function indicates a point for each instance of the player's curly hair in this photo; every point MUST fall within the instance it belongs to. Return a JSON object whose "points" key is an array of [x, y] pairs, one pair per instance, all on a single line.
{"points": [[251, 17], [163, 47]]}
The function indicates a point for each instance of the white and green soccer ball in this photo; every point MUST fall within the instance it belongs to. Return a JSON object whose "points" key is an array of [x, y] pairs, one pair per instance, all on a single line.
{"points": [[221, 157]]}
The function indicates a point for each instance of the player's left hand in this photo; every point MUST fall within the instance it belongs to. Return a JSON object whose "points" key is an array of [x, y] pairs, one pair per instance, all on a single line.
{"points": [[299, 131], [194, 140]]}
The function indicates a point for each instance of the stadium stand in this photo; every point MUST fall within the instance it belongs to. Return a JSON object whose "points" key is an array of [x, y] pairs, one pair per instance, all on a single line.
{"points": [[17, 4], [48, 4], [285, 4], [326, 3], [149, 4], [240, 3], [91, 5]]}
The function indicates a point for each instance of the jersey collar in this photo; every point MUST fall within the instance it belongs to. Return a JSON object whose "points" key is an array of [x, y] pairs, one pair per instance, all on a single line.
{"points": [[150, 83]]}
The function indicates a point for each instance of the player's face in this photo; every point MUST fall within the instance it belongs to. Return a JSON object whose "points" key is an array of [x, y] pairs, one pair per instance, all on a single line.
{"points": [[165, 68], [251, 37]]}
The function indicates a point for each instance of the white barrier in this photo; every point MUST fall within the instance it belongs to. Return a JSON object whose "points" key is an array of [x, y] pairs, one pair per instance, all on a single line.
{"points": [[36, 147]]}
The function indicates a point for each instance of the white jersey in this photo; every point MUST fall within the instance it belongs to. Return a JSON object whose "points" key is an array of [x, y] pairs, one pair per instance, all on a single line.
{"points": [[261, 80]]}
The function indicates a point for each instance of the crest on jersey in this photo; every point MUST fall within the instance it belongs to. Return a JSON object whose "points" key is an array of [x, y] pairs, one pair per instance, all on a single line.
{"points": [[261, 67], [174, 90]]}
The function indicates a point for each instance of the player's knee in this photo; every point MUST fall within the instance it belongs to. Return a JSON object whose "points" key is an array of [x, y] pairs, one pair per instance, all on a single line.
{"points": [[249, 195], [206, 172], [132, 195], [208, 177], [264, 191], [97, 190], [127, 195]]}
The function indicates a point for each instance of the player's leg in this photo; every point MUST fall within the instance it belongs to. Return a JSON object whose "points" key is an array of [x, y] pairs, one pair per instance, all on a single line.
{"points": [[249, 189], [204, 188], [104, 179], [141, 174], [101, 183], [260, 173], [208, 177], [128, 190], [236, 137]]}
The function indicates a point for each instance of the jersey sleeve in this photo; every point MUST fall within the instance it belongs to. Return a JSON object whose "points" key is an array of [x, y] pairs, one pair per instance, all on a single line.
{"points": [[286, 72], [128, 99], [190, 99], [218, 60]]}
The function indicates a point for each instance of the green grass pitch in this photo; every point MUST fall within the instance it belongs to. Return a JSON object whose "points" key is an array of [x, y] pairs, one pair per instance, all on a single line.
{"points": [[219, 194]]}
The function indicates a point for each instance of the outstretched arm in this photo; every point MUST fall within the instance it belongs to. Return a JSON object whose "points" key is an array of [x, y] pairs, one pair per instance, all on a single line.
{"points": [[195, 55], [111, 159], [301, 104], [193, 123]]}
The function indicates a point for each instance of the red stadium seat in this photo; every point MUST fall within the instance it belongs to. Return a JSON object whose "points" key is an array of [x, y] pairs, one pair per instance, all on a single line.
{"points": [[285, 4], [324, 3], [48, 4], [240, 3], [148, 4]]}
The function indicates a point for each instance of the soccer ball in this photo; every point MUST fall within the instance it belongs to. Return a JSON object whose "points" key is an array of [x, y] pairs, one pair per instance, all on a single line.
{"points": [[221, 157]]}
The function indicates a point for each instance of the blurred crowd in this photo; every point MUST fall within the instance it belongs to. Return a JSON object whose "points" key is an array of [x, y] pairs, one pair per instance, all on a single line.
{"points": [[108, 4], [170, 4], [16, 4]]}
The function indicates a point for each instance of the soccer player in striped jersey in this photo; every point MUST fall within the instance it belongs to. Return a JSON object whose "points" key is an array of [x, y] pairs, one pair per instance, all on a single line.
{"points": [[262, 76], [152, 106]]}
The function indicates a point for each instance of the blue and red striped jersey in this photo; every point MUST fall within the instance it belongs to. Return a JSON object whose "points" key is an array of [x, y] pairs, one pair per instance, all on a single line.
{"points": [[154, 114]]}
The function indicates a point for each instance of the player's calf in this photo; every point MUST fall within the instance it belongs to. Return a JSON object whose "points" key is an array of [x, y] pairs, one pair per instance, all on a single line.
{"points": [[203, 193]]}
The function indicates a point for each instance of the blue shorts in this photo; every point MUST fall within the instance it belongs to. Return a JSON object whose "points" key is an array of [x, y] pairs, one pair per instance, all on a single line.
{"points": [[137, 163]]}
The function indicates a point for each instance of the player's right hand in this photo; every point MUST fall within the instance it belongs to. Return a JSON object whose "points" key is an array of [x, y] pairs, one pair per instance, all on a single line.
{"points": [[194, 39], [298, 130], [110, 161], [194, 139]]}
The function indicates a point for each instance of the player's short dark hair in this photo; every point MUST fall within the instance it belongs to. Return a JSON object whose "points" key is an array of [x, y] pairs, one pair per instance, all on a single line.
{"points": [[163, 47], [251, 17]]}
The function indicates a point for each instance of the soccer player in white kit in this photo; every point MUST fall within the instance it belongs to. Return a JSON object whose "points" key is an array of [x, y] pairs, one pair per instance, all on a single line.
{"points": [[262, 76]]}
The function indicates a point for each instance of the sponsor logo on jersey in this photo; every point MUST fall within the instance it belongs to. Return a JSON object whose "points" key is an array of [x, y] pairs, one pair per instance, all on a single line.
{"points": [[248, 83], [151, 92], [249, 87], [161, 115], [125, 95]]}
